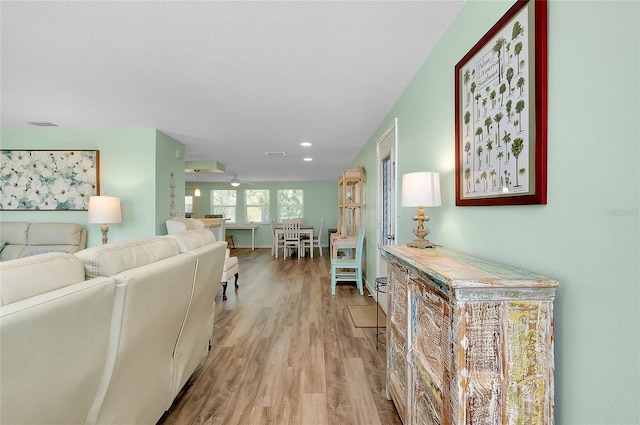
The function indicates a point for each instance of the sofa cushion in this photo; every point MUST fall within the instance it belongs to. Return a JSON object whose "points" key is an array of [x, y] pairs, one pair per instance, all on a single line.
{"points": [[54, 234], [26, 277], [111, 259], [190, 240], [22, 238], [14, 233]]}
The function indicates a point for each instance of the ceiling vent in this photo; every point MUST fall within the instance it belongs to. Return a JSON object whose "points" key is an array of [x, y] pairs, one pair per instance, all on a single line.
{"points": [[275, 154], [42, 123]]}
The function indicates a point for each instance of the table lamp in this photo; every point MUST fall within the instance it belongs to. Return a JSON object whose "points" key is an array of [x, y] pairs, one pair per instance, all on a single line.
{"points": [[104, 210], [421, 190]]}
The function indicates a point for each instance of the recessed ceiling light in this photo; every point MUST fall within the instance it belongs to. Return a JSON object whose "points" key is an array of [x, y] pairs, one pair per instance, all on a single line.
{"points": [[305, 144], [308, 159], [275, 154]]}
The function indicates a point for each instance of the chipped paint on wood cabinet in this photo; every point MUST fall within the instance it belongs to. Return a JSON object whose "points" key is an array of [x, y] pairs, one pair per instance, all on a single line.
{"points": [[471, 341]]}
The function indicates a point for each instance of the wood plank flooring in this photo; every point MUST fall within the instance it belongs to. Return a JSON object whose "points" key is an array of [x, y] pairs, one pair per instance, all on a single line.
{"points": [[286, 352]]}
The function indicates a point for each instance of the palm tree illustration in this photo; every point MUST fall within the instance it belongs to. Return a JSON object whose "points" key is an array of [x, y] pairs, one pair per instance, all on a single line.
{"points": [[478, 96], [472, 89], [467, 77], [508, 109], [492, 96], [497, 48], [509, 77], [467, 177], [484, 104], [506, 178], [467, 149], [492, 174], [517, 49], [516, 149], [487, 123], [489, 146], [479, 153], [483, 176], [507, 139], [467, 117], [497, 118], [499, 157], [520, 84], [519, 109], [516, 30], [503, 88], [479, 134]]}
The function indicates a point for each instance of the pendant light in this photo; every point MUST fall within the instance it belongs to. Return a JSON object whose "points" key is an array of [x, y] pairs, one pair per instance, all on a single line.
{"points": [[197, 191]]}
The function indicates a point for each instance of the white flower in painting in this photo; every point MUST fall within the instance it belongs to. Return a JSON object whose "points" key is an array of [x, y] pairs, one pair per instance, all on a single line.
{"points": [[68, 199], [48, 202], [84, 170], [60, 189], [17, 185], [37, 191], [20, 159], [84, 191], [66, 161], [8, 202], [45, 166]]}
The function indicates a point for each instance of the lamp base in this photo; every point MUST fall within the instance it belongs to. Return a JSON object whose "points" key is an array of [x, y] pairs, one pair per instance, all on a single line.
{"points": [[420, 243], [105, 230]]}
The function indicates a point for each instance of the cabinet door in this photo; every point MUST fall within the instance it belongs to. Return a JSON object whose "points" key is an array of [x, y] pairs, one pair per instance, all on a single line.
{"points": [[430, 354], [397, 370]]}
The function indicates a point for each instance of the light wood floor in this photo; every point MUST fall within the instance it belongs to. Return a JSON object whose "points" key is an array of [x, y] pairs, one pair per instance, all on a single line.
{"points": [[286, 352]]}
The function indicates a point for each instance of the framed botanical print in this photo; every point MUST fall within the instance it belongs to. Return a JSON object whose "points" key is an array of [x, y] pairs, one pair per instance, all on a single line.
{"points": [[501, 112]]}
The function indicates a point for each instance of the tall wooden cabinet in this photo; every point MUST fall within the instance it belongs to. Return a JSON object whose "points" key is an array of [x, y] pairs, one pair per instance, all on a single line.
{"points": [[468, 341], [350, 202], [350, 214]]}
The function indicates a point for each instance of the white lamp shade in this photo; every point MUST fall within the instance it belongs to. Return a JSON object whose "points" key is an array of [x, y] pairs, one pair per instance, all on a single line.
{"points": [[104, 209], [421, 189]]}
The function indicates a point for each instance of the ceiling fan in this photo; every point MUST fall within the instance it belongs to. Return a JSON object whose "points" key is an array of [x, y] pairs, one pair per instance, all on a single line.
{"points": [[235, 182]]}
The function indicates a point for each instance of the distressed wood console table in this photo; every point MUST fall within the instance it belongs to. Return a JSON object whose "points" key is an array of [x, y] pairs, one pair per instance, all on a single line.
{"points": [[468, 341]]}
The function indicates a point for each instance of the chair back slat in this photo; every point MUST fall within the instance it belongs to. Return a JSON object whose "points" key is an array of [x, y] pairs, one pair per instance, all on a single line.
{"points": [[291, 229]]}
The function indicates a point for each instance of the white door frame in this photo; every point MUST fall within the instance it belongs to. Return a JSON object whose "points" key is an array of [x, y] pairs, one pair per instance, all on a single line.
{"points": [[387, 146]]}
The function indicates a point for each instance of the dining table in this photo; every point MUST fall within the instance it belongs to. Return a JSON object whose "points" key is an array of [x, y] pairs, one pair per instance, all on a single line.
{"points": [[279, 230]]}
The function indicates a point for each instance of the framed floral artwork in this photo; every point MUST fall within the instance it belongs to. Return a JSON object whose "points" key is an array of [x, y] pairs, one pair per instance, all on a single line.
{"points": [[501, 112], [48, 180]]}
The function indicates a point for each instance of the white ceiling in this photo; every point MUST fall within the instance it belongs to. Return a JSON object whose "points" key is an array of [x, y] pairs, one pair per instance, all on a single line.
{"points": [[230, 80]]}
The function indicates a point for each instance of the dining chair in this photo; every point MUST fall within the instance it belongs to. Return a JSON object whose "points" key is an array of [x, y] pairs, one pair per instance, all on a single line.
{"points": [[278, 240], [348, 269], [316, 239], [291, 230]]}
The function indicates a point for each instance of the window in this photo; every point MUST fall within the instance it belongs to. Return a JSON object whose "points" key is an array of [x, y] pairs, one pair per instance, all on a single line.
{"points": [[224, 202], [256, 202], [188, 204], [290, 203]]}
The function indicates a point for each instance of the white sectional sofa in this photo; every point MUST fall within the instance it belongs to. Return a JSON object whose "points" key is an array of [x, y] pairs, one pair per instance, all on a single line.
{"points": [[19, 239], [108, 335], [177, 225]]}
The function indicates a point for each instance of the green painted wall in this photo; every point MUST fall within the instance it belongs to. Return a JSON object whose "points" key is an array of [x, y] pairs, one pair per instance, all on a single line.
{"points": [[320, 201], [588, 235], [131, 162]]}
